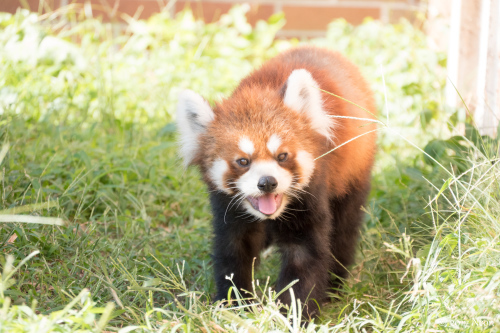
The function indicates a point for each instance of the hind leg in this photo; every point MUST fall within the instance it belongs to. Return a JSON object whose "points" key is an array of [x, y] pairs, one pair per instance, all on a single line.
{"points": [[347, 219]]}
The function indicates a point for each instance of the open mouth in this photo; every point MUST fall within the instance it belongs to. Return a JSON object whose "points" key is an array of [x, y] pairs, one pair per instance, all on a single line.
{"points": [[267, 204]]}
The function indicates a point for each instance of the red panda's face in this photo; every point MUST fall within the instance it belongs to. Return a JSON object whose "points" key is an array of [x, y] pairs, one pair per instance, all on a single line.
{"points": [[262, 172], [254, 146]]}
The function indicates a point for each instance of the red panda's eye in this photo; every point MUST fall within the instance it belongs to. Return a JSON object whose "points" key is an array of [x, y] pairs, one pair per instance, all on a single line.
{"points": [[282, 157], [243, 162]]}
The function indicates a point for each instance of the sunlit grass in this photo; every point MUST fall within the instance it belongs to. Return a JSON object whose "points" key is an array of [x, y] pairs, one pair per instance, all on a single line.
{"points": [[87, 139]]}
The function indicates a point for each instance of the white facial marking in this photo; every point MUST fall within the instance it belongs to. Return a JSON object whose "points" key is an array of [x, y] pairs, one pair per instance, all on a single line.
{"points": [[274, 143], [306, 162], [216, 173], [193, 116], [247, 183], [303, 94], [246, 145]]}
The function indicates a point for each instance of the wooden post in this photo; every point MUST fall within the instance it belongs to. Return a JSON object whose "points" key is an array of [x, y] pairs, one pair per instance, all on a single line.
{"points": [[473, 45], [451, 95], [489, 111]]}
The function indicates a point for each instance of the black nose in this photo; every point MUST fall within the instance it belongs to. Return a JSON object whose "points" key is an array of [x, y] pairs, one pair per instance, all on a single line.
{"points": [[267, 184]]}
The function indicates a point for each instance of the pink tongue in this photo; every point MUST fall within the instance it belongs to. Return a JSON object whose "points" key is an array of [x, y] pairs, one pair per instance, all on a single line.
{"points": [[267, 204]]}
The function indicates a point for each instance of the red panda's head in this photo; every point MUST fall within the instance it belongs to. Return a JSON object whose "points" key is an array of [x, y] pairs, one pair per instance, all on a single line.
{"points": [[259, 145]]}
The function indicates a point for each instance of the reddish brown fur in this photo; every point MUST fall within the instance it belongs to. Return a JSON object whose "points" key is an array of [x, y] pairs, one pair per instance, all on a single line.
{"points": [[325, 221], [242, 114]]}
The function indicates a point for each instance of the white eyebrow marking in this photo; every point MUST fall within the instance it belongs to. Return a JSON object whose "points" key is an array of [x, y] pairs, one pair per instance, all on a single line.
{"points": [[246, 145], [274, 143]]}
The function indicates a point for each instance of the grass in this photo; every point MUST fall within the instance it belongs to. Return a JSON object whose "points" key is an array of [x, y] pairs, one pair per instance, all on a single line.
{"points": [[87, 139]]}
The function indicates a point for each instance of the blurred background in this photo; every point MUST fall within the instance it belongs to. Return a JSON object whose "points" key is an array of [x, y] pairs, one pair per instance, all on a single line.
{"points": [[466, 29], [306, 18]]}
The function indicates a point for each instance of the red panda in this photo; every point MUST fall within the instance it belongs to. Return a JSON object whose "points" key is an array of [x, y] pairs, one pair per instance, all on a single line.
{"points": [[258, 154]]}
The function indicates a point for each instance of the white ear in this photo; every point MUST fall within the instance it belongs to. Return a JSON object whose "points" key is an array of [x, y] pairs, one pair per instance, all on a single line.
{"points": [[193, 116], [303, 95]]}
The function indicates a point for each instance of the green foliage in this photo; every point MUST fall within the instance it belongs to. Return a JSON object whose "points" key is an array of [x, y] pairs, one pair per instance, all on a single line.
{"points": [[86, 113], [133, 77], [457, 150], [24, 318], [407, 76]]}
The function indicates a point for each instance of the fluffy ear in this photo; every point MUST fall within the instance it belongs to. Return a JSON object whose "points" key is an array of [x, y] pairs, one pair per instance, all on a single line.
{"points": [[302, 94], [193, 116]]}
